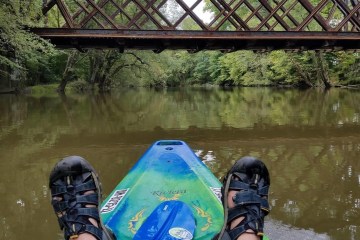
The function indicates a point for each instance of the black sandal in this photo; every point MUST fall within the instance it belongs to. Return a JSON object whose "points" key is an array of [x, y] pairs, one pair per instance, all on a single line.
{"points": [[69, 180], [251, 178]]}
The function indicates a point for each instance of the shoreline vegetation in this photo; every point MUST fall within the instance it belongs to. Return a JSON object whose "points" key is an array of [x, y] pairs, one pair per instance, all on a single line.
{"points": [[29, 61], [52, 89]]}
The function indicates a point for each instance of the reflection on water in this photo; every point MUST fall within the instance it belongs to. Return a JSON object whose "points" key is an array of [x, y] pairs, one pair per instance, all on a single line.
{"points": [[310, 141]]}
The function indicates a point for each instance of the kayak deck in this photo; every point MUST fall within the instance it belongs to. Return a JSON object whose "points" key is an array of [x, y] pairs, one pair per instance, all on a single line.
{"points": [[168, 170]]}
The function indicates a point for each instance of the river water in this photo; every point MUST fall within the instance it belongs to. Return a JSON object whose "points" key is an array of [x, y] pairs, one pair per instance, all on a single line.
{"points": [[310, 141]]}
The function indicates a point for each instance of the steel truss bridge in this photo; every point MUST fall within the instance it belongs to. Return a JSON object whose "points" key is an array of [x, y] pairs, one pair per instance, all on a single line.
{"points": [[194, 25]]}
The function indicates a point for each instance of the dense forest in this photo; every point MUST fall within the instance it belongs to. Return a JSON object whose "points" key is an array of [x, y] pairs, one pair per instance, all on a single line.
{"points": [[27, 60]]}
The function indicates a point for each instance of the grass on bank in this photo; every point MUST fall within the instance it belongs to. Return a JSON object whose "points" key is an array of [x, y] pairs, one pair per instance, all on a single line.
{"points": [[79, 86], [42, 90]]}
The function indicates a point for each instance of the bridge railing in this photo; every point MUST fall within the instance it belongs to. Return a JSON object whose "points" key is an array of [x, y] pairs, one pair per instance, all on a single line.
{"points": [[209, 19], [211, 15]]}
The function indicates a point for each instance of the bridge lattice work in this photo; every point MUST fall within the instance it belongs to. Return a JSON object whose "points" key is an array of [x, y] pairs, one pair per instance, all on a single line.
{"points": [[205, 24]]}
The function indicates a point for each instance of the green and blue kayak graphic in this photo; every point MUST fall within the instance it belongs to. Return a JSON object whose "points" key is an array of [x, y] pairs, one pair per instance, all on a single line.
{"points": [[166, 190]]}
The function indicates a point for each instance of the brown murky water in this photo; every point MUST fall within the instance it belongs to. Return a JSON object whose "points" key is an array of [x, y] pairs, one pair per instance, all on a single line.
{"points": [[310, 141]]}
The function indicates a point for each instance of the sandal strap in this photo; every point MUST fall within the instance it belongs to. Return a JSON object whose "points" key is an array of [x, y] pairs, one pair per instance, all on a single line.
{"points": [[245, 200], [63, 205], [83, 187], [236, 232], [91, 199], [235, 212], [60, 206], [87, 186], [252, 220], [264, 191], [238, 185], [251, 197], [96, 232], [76, 216], [76, 222], [77, 229], [91, 212], [57, 190]]}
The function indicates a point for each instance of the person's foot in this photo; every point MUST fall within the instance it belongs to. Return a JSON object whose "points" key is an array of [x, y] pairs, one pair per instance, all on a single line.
{"points": [[76, 196], [245, 199]]}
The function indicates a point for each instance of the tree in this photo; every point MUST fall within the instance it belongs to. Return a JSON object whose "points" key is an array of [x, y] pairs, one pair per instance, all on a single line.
{"points": [[18, 45], [69, 70]]}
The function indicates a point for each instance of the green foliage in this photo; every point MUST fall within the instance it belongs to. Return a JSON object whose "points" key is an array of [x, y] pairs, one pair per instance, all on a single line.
{"points": [[21, 50], [345, 67], [43, 90], [246, 68], [79, 86]]}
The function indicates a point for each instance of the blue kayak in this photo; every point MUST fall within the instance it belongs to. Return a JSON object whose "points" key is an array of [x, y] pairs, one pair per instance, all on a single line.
{"points": [[168, 194]]}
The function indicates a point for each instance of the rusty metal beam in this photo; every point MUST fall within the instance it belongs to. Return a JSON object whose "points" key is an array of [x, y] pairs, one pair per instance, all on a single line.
{"points": [[177, 23], [190, 40], [287, 14], [276, 16], [221, 12], [96, 33], [102, 13], [84, 9], [344, 8], [271, 14], [146, 13], [350, 15], [65, 13], [331, 13], [313, 14], [156, 10], [255, 12], [92, 14], [229, 14], [153, 12], [190, 12], [235, 16], [121, 10], [48, 6], [81, 10]]}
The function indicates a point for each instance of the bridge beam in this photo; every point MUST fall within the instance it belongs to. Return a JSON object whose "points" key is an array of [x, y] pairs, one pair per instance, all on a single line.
{"points": [[190, 40]]}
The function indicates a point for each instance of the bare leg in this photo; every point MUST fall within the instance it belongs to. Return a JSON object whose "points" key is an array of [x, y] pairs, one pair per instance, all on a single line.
{"points": [[86, 236]]}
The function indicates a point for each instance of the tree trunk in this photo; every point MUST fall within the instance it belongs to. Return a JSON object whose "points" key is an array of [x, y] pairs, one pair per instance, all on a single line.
{"points": [[94, 69], [68, 72], [321, 70], [103, 77], [105, 73], [97, 62], [305, 81]]}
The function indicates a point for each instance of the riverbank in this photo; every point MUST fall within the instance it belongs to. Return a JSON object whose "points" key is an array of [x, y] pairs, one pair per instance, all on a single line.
{"points": [[51, 89]]}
